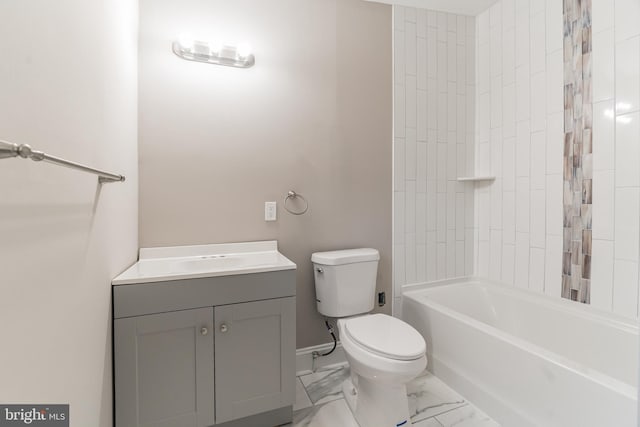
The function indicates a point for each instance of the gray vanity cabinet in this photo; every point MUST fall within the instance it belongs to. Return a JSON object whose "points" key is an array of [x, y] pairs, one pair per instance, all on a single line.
{"points": [[203, 352], [165, 369], [254, 355]]}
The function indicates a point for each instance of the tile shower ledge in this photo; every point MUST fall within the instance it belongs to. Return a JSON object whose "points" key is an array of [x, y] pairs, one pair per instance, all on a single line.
{"points": [[193, 262], [476, 178]]}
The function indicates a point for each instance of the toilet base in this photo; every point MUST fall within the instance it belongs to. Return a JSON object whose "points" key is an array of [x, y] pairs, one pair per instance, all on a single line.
{"points": [[376, 404]]}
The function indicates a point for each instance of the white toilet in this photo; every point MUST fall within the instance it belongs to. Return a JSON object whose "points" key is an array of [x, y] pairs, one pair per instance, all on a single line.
{"points": [[384, 352]]}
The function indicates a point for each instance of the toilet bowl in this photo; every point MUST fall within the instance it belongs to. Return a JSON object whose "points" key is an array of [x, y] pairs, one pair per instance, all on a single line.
{"points": [[384, 353]]}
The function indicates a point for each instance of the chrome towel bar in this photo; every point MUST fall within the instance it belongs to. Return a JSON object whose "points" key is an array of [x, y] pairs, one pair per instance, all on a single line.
{"points": [[9, 149]]}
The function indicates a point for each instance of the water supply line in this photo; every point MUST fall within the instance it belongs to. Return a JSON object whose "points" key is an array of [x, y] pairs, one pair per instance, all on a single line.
{"points": [[317, 354]]}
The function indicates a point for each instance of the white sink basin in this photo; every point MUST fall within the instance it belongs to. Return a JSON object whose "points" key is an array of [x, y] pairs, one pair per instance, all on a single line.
{"points": [[188, 262]]}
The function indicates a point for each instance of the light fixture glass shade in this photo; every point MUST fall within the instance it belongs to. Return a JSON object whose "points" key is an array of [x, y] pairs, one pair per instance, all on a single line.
{"points": [[231, 56]]}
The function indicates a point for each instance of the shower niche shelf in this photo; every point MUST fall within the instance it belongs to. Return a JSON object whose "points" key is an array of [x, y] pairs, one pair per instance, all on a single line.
{"points": [[476, 178]]}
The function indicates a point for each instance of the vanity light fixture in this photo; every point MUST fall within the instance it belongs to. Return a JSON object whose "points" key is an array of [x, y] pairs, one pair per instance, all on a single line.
{"points": [[200, 51]]}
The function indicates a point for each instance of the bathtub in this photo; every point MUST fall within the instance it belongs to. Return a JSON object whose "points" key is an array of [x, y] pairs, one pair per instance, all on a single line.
{"points": [[528, 359]]}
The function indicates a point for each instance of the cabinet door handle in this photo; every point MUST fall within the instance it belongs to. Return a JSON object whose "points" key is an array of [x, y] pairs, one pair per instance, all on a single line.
{"points": [[204, 331], [224, 328]]}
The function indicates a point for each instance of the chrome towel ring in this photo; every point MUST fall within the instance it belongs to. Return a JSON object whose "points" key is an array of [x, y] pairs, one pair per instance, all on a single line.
{"points": [[293, 195]]}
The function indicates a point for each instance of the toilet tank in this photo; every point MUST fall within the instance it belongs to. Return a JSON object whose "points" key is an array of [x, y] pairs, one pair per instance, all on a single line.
{"points": [[345, 281]]}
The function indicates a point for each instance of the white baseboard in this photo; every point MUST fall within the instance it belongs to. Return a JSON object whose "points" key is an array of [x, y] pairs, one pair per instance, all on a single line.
{"points": [[304, 358]]}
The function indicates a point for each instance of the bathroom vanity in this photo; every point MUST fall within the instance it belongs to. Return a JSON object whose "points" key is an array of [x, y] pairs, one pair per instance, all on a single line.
{"points": [[205, 335]]}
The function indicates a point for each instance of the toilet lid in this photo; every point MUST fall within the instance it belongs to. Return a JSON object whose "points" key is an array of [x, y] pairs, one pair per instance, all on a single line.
{"points": [[386, 336]]}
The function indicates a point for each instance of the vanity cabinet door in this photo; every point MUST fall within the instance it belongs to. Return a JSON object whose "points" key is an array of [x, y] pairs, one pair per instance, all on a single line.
{"points": [[255, 357], [164, 373]]}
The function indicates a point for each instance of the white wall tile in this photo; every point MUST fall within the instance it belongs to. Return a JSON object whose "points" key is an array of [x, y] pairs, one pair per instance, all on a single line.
{"points": [[603, 135], [509, 217], [627, 70], [496, 152], [603, 65], [469, 252], [625, 288], [627, 226], [410, 154], [508, 13], [602, 15], [410, 207], [628, 150], [538, 41], [603, 191], [509, 110], [441, 260], [555, 143], [522, 204], [495, 48], [398, 273], [410, 258], [496, 102], [602, 274], [421, 23], [421, 111], [509, 164], [522, 37], [523, 93], [399, 114], [496, 204], [398, 164], [431, 256], [495, 257], [508, 263], [554, 22], [627, 16], [523, 147], [553, 266], [538, 109], [411, 95], [555, 82], [399, 217], [509, 56], [536, 269], [522, 260], [553, 205], [538, 159], [538, 218]]}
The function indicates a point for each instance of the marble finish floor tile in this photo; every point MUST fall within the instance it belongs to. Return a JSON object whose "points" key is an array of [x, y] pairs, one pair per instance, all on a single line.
{"points": [[429, 422], [429, 396], [466, 416], [332, 414], [325, 385], [302, 398], [320, 403]]}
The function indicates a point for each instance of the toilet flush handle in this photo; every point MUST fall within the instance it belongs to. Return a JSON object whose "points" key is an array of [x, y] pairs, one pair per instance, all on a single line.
{"points": [[319, 270]]}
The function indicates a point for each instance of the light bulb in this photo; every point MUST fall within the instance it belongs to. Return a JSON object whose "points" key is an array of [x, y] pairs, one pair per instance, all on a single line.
{"points": [[244, 50], [185, 41]]}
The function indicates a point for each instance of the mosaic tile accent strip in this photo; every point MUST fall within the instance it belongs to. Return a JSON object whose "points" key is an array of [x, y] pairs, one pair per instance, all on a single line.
{"points": [[578, 171]]}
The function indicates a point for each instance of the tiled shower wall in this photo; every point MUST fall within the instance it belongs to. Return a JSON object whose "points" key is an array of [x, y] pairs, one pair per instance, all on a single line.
{"points": [[520, 141], [434, 92], [616, 155], [520, 215], [517, 220]]}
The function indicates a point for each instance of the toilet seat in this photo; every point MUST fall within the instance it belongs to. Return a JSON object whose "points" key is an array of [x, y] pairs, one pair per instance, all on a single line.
{"points": [[386, 336]]}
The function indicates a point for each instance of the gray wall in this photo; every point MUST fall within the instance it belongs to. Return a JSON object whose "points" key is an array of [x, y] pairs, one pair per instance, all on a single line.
{"points": [[68, 85], [314, 115]]}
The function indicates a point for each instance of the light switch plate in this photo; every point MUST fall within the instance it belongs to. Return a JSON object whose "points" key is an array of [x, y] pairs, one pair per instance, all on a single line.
{"points": [[270, 211]]}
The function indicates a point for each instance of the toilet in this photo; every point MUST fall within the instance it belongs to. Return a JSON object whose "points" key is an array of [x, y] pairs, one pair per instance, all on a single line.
{"points": [[384, 352]]}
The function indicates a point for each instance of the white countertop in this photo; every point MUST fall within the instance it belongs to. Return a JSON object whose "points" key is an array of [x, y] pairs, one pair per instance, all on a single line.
{"points": [[192, 262]]}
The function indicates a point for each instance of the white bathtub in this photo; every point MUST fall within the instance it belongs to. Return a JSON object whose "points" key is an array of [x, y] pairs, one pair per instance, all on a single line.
{"points": [[528, 359]]}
